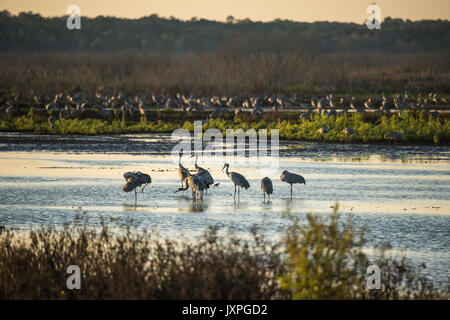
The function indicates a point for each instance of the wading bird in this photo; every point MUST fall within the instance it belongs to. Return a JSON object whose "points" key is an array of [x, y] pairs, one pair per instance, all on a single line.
{"points": [[237, 178], [196, 183], [182, 171], [205, 174], [292, 178], [51, 121], [393, 135], [134, 180], [267, 187]]}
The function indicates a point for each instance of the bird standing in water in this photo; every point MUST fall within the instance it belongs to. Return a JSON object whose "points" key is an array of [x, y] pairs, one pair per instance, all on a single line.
{"points": [[182, 171], [267, 187], [238, 180], [205, 174], [292, 178], [134, 180], [196, 183]]}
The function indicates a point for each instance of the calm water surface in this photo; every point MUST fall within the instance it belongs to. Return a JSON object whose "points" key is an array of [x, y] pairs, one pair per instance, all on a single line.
{"points": [[401, 193]]}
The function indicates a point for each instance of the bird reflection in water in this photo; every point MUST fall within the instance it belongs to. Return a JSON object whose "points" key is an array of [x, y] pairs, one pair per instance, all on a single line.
{"points": [[133, 207], [267, 205], [292, 204], [197, 206], [239, 205]]}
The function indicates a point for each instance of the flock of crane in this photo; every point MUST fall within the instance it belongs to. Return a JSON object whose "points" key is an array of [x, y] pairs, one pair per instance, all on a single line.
{"points": [[78, 103], [202, 180]]}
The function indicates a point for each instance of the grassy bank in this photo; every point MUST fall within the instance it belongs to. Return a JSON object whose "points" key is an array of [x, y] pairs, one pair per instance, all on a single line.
{"points": [[323, 259], [413, 127]]}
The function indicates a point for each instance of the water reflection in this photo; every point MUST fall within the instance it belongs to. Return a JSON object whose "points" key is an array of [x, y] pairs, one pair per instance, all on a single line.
{"points": [[199, 205], [292, 204], [267, 205], [134, 207], [240, 205]]}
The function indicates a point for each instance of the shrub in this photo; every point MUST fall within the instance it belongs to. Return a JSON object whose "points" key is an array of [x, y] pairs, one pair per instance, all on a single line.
{"points": [[320, 260], [135, 265], [326, 260]]}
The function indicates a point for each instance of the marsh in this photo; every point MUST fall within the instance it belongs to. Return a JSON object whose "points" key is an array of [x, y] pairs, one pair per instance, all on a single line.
{"points": [[401, 193]]}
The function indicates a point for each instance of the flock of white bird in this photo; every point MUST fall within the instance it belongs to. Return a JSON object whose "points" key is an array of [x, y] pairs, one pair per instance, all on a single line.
{"points": [[202, 180]]}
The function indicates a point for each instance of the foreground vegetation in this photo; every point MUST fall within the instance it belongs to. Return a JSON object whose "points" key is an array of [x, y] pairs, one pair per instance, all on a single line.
{"points": [[323, 259], [413, 127]]}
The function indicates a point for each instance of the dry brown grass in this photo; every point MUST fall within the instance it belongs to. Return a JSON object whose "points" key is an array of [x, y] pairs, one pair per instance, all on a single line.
{"points": [[225, 73], [135, 265], [323, 259]]}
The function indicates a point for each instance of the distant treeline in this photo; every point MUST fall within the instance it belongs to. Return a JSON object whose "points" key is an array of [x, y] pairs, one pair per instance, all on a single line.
{"points": [[32, 32]]}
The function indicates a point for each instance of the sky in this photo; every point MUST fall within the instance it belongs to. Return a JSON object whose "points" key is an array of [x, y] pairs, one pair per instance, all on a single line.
{"points": [[257, 10]]}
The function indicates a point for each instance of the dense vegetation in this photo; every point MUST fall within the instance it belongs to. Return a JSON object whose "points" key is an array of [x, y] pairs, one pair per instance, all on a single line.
{"points": [[31, 32], [39, 56], [419, 127], [200, 57], [319, 260], [208, 74]]}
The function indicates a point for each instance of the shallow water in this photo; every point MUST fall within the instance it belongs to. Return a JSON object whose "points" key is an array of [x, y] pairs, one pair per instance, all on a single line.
{"points": [[401, 193]]}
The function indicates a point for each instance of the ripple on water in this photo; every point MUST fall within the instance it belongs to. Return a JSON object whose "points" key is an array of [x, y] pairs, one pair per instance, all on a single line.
{"points": [[402, 194]]}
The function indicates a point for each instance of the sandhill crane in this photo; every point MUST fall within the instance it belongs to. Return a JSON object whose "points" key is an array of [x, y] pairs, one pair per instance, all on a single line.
{"points": [[134, 180], [348, 131], [313, 102], [319, 104], [51, 121], [196, 165], [305, 115], [292, 178], [237, 178], [196, 183], [182, 171], [11, 111], [238, 112], [267, 187], [205, 174], [393, 135], [323, 130]]}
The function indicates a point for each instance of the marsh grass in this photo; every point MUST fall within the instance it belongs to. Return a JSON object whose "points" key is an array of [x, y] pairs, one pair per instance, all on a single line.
{"points": [[319, 260], [416, 127], [230, 73]]}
